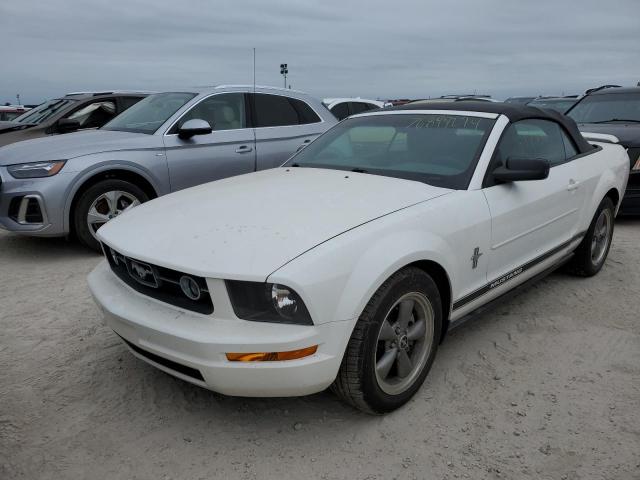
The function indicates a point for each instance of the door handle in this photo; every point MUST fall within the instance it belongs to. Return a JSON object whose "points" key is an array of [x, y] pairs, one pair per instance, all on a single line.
{"points": [[573, 185], [244, 149], [304, 144]]}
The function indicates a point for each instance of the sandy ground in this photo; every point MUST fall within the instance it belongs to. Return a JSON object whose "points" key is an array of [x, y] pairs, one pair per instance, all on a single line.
{"points": [[546, 386]]}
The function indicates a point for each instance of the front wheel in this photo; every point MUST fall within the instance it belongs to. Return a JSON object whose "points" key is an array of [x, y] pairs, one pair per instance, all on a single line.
{"points": [[100, 203], [592, 252], [393, 344]]}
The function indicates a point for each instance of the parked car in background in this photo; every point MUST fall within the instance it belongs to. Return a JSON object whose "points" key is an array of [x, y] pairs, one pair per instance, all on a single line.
{"points": [[615, 111], [75, 183], [10, 112], [74, 111], [394, 102], [453, 98], [519, 100], [559, 104], [345, 107], [347, 266]]}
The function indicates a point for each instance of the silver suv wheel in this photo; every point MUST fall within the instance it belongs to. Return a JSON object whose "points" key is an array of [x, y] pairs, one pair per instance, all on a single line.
{"points": [[107, 206]]}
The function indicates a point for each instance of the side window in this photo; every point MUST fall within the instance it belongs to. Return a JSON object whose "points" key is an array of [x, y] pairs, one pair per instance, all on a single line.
{"points": [[126, 102], [94, 115], [305, 112], [274, 111], [569, 147], [529, 139], [223, 112], [358, 107], [341, 111]]}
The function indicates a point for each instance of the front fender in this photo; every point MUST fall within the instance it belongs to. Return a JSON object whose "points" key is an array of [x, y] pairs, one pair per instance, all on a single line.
{"points": [[158, 178], [337, 278]]}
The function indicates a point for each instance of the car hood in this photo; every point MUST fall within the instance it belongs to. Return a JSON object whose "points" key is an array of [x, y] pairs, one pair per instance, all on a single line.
{"points": [[247, 227], [71, 145], [627, 133]]}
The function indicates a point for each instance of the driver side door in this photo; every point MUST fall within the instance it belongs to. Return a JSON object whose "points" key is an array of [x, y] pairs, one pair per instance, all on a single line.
{"points": [[531, 219], [227, 151]]}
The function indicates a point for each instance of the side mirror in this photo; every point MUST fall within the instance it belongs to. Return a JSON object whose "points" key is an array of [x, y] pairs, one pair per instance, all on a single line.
{"points": [[66, 125], [194, 127], [522, 169]]}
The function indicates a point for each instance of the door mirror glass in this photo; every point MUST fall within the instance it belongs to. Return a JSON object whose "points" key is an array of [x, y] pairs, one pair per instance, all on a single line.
{"points": [[66, 125], [517, 169], [194, 127]]}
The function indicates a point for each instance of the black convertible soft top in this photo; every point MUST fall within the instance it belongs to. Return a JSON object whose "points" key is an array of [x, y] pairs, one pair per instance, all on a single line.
{"points": [[513, 111]]}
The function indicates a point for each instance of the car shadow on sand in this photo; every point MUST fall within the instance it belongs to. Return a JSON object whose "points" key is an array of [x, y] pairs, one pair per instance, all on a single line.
{"points": [[17, 248]]}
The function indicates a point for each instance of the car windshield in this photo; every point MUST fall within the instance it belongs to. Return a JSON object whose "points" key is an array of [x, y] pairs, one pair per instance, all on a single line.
{"points": [[150, 113], [44, 111], [558, 105], [438, 149], [609, 107]]}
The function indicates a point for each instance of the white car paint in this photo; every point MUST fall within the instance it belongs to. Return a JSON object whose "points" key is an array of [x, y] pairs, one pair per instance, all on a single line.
{"points": [[335, 237]]}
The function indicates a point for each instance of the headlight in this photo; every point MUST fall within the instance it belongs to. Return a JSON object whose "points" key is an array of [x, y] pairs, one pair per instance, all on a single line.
{"points": [[36, 170], [267, 302]]}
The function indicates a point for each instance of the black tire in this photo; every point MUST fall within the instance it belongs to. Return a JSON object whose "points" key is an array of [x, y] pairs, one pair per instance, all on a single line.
{"points": [[357, 382], [583, 264], [87, 198]]}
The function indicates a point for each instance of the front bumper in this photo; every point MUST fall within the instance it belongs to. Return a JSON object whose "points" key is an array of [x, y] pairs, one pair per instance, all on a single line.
{"points": [[46, 196], [192, 346]]}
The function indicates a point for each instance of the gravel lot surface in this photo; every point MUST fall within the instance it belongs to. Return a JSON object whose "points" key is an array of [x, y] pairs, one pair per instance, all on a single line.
{"points": [[545, 386]]}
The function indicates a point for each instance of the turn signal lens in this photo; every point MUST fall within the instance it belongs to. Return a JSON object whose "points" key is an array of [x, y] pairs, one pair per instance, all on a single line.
{"points": [[272, 356]]}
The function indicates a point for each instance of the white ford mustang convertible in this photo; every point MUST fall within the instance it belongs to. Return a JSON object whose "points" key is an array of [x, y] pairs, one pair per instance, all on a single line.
{"points": [[346, 266]]}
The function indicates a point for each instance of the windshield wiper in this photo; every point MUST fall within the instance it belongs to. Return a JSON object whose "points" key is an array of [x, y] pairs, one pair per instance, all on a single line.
{"points": [[359, 170], [628, 120]]}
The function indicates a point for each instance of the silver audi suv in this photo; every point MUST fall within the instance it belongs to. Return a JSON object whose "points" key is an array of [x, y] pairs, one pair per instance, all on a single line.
{"points": [[168, 141]]}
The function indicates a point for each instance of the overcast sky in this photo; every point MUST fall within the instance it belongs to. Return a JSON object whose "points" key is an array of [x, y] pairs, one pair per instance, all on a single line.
{"points": [[368, 48]]}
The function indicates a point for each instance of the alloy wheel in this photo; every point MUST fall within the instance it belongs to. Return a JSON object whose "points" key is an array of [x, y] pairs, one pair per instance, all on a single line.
{"points": [[601, 236], [107, 206], [404, 343]]}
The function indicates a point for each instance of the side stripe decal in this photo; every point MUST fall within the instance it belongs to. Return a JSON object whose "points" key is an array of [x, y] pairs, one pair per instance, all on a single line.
{"points": [[513, 273]]}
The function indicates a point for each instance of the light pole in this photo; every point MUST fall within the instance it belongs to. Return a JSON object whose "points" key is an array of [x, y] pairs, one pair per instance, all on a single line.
{"points": [[283, 71]]}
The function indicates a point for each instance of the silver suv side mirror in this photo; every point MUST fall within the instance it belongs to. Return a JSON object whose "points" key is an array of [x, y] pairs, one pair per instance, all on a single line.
{"points": [[193, 127]]}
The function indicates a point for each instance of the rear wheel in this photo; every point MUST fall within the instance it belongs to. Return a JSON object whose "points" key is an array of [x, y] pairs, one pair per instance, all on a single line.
{"points": [[393, 344], [100, 203], [592, 252]]}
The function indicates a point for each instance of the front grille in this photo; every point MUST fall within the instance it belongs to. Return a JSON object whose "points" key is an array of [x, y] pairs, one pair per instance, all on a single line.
{"points": [[160, 283], [165, 362]]}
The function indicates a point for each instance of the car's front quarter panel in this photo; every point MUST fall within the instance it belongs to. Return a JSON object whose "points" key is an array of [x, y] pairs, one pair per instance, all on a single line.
{"points": [[140, 154], [148, 163], [337, 278]]}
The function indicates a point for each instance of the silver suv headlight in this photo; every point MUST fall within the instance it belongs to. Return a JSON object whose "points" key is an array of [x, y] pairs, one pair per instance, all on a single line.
{"points": [[36, 169]]}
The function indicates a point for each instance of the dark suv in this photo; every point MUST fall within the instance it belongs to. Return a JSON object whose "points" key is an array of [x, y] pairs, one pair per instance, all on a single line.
{"points": [[74, 111], [615, 111]]}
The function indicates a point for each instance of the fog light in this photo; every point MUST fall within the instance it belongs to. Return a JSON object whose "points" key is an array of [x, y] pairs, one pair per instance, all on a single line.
{"points": [[190, 287], [272, 356]]}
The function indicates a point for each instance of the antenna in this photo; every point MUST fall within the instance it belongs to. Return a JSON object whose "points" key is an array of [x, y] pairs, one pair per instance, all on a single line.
{"points": [[254, 70]]}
